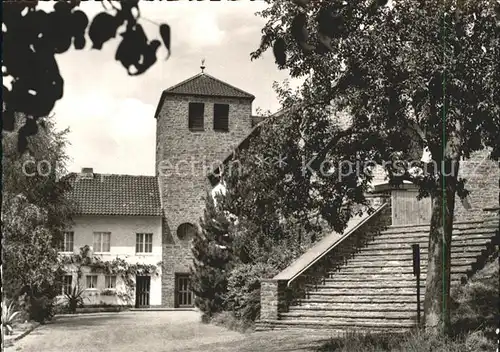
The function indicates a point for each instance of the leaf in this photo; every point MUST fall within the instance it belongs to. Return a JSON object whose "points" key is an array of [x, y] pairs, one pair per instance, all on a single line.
{"points": [[22, 142], [102, 29], [330, 22], [301, 3], [165, 37], [8, 120], [132, 47], [279, 50], [298, 28]]}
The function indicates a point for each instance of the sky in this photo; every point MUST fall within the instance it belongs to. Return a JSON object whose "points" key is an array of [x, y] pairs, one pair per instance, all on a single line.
{"points": [[111, 115]]}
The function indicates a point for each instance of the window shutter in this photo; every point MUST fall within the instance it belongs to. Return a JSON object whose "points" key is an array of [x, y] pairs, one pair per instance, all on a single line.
{"points": [[196, 113], [221, 117]]}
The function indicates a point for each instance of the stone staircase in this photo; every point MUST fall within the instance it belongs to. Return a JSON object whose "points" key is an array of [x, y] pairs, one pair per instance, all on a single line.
{"points": [[375, 288]]}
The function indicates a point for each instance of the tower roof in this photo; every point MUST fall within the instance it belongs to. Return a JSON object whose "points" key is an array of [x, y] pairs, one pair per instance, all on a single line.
{"points": [[204, 85]]}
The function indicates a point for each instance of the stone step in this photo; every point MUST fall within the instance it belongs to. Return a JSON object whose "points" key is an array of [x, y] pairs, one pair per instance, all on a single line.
{"points": [[367, 285], [398, 246], [343, 278], [456, 232], [374, 325], [349, 315], [372, 291], [407, 256], [327, 298], [474, 247], [457, 226], [404, 263], [391, 269], [487, 235], [358, 307]]}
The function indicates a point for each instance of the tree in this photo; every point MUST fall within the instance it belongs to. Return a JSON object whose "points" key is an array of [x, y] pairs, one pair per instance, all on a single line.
{"points": [[35, 211], [32, 38], [429, 68], [212, 260]]}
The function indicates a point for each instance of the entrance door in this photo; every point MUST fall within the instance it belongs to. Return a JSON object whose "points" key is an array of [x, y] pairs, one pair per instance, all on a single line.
{"points": [[183, 294], [142, 288]]}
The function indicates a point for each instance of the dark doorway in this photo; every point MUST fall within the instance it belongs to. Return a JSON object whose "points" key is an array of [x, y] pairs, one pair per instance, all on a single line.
{"points": [[183, 293], [142, 288]]}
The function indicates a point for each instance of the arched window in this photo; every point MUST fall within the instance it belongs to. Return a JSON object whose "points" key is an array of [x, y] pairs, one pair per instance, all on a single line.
{"points": [[186, 231]]}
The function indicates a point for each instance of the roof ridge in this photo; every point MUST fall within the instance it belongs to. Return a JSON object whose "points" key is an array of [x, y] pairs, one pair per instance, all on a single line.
{"points": [[183, 82], [227, 84], [106, 174]]}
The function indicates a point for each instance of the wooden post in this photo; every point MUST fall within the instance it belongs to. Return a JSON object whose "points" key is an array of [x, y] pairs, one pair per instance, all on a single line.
{"points": [[416, 272]]}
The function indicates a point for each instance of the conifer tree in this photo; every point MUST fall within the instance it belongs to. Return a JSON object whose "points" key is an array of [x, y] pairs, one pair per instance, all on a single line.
{"points": [[212, 259]]}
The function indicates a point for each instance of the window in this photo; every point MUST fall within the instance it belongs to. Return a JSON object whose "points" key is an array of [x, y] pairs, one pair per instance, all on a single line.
{"points": [[196, 112], [110, 281], [102, 241], [91, 281], [221, 117], [67, 286], [67, 242], [144, 243], [186, 231]]}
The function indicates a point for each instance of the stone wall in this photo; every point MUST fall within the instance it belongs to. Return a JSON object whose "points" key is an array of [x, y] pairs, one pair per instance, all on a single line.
{"points": [[272, 298], [183, 160], [483, 177]]}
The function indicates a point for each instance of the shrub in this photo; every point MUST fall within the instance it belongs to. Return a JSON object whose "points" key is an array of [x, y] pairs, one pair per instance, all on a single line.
{"points": [[231, 322], [415, 341], [9, 316], [74, 299], [474, 302], [41, 308], [243, 297]]}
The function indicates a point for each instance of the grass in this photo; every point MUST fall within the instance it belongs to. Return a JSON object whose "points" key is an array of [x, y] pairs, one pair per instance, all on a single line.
{"points": [[415, 341], [231, 322]]}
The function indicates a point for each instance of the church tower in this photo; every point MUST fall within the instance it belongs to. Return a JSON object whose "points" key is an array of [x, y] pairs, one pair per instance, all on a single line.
{"points": [[199, 122]]}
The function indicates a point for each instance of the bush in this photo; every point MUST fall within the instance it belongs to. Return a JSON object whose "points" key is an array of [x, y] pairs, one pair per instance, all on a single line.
{"points": [[474, 303], [416, 341], [243, 297], [231, 322]]}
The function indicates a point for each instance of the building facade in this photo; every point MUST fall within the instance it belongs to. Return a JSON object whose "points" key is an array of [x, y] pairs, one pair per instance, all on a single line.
{"points": [[119, 220]]}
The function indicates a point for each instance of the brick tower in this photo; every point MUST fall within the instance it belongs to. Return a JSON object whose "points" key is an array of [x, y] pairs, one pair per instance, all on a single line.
{"points": [[198, 123]]}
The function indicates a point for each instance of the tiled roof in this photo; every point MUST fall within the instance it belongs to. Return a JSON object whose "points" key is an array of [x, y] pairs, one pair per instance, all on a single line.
{"points": [[108, 194], [204, 84]]}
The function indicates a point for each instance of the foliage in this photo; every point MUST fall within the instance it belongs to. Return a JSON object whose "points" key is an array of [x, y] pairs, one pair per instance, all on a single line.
{"points": [[231, 322], [416, 341], [40, 302], [35, 211], [74, 298], [117, 266], [428, 69], [9, 316], [28, 256], [32, 38], [212, 260], [243, 298], [474, 303]]}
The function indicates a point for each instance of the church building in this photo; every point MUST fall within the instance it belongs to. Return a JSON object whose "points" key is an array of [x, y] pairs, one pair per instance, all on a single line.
{"points": [[152, 219]]}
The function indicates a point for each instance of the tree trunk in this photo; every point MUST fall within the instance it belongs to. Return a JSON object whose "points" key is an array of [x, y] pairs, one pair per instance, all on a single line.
{"points": [[437, 294]]}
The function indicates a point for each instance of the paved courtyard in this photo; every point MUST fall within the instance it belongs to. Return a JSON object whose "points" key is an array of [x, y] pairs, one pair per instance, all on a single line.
{"points": [[162, 331]]}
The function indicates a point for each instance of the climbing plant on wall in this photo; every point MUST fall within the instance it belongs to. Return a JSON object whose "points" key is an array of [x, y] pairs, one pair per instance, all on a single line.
{"points": [[118, 266]]}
